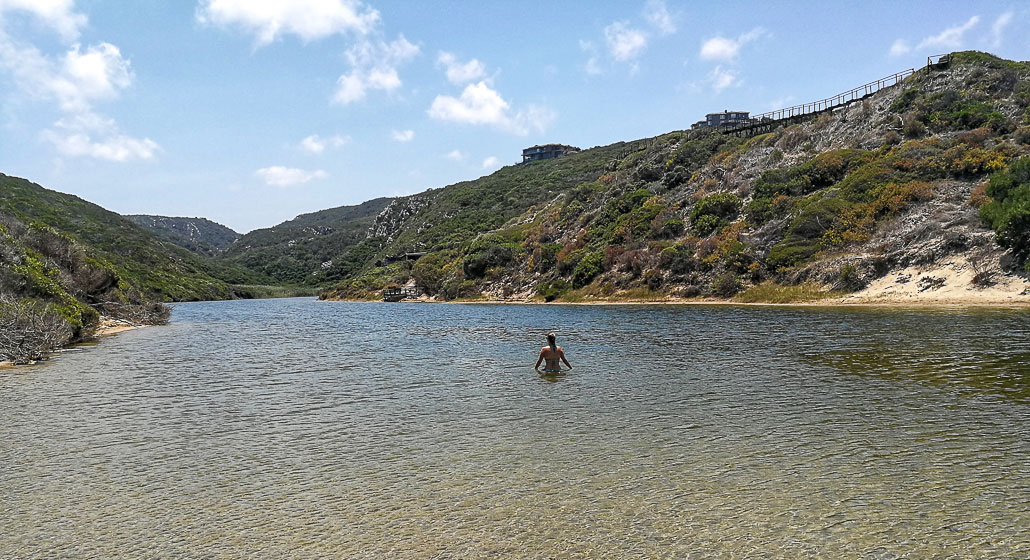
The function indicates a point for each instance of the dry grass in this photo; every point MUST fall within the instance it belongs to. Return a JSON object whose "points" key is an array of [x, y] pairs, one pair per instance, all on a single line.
{"points": [[770, 292]]}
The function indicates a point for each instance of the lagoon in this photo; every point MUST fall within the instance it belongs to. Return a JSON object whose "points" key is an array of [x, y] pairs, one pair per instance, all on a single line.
{"points": [[304, 429]]}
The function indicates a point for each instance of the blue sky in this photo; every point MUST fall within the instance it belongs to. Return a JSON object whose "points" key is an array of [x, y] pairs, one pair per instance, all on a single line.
{"points": [[250, 112]]}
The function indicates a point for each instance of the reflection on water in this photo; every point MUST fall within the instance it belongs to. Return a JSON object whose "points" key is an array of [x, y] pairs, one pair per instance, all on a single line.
{"points": [[295, 428]]}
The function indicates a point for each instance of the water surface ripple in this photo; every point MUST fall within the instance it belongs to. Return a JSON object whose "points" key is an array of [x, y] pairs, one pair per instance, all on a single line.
{"points": [[304, 429]]}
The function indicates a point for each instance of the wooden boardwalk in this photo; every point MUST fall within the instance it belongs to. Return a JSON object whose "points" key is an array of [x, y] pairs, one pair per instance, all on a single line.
{"points": [[766, 122]]}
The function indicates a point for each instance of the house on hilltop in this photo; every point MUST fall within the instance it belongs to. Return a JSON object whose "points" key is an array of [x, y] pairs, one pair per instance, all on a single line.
{"points": [[547, 151], [725, 118]]}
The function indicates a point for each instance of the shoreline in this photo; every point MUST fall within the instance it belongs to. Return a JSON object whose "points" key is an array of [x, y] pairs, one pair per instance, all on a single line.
{"points": [[108, 327], [847, 301], [948, 283], [832, 302]]}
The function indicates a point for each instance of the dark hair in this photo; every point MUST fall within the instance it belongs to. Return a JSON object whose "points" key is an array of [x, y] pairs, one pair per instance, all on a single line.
{"points": [[550, 341]]}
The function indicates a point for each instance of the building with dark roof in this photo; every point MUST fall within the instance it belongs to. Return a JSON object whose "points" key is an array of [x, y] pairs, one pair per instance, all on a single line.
{"points": [[725, 118], [547, 151]]}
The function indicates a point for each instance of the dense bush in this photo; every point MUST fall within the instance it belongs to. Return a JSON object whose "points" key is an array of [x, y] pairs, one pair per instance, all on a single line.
{"points": [[714, 212], [1008, 213], [30, 330], [587, 269]]}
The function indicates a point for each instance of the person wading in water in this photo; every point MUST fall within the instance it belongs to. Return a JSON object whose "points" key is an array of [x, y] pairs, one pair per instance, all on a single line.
{"points": [[551, 353]]}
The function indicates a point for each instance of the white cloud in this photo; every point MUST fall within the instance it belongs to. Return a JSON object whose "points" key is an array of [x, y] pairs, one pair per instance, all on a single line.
{"points": [[481, 105], [75, 81], [316, 144], [721, 78], [373, 66], [267, 20], [460, 73], [950, 38], [658, 16], [118, 148], [998, 29], [56, 14], [456, 155], [279, 176], [592, 66], [403, 135], [900, 47], [478, 105], [624, 42], [90, 135], [491, 163], [721, 48]]}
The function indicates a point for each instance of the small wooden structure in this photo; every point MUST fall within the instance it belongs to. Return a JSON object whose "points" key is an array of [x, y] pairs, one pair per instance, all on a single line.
{"points": [[398, 293], [938, 61]]}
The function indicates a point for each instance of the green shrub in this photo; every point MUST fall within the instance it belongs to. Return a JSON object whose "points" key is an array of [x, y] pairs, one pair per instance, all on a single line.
{"points": [[713, 212], [1008, 213], [671, 228], [552, 290], [726, 285], [905, 100], [914, 129], [588, 268], [678, 259]]}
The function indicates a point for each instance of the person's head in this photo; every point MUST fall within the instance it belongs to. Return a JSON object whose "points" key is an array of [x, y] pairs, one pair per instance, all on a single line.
{"points": [[550, 339]]}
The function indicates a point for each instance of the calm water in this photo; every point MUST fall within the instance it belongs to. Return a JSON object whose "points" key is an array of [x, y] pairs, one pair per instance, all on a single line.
{"points": [[304, 429]]}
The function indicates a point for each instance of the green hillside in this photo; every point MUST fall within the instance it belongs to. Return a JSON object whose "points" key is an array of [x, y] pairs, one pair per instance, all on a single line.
{"points": [[197, 235], [835, 200], [168, 272], [308, 250]]}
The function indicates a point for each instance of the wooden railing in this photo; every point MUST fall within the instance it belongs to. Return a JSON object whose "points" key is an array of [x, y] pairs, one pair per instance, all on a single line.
{"points": [[771, 118]]}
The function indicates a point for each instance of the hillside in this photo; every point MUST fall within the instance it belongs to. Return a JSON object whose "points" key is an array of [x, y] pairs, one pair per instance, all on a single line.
{"points": [[311, 249], [931, 173], [198, 235]]}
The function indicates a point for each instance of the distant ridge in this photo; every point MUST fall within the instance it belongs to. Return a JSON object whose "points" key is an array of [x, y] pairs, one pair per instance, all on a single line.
{"points": [[198, 235]]}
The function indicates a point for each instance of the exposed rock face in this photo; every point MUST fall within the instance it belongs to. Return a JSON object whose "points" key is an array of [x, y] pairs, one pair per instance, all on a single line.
{"points": [[395, 216]]}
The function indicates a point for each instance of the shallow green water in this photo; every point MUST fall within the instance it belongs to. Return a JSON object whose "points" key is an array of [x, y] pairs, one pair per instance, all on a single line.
{"points": [[304, 429]]}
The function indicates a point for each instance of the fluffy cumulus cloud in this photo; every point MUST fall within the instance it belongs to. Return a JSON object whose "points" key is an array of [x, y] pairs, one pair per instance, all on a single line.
{"points": [[455, 155], [727, 50], [491, 163], [460, 73], [315, 144], [279, 176], [658, 16], [624, 42], [373, 67], [268, 20], [75, 80], [403, 135], [479, 104]]}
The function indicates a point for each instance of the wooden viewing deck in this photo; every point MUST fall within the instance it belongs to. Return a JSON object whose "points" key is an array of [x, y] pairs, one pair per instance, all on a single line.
{"points": [[397, 293]]}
